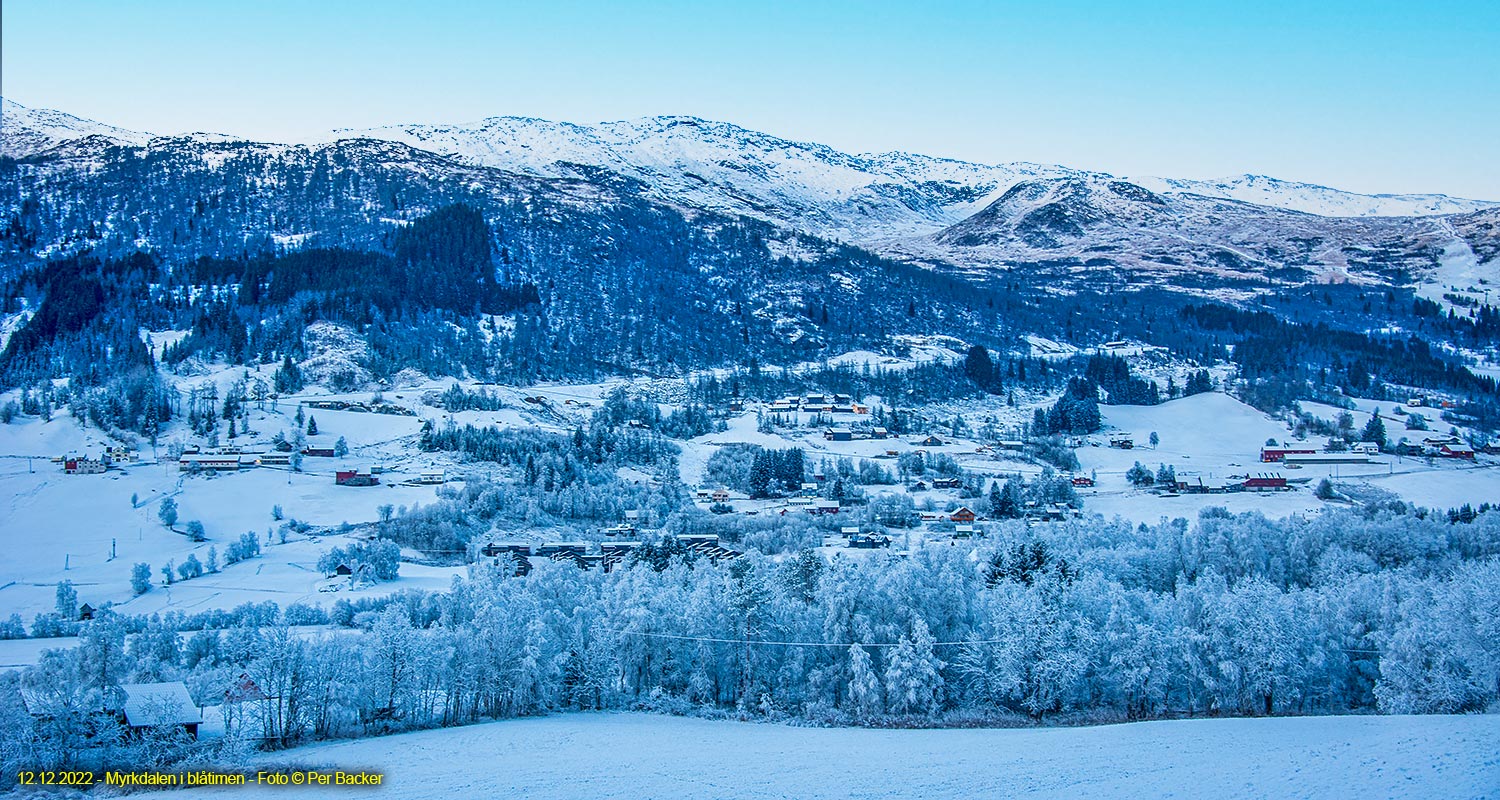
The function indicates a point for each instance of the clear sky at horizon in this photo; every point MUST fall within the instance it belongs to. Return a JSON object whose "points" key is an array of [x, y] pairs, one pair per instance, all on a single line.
{"points": [[1367, 96]]}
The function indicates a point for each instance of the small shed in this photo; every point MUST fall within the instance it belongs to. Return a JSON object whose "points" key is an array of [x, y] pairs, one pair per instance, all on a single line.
{"points": [[154, 705]]}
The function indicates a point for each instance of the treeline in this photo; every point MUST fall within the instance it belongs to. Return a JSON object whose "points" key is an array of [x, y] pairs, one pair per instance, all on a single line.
{"points": [[1280, 361], [1344, 612]]}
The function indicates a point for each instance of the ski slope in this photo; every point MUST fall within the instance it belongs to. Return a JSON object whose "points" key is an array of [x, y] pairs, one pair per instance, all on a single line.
{"points": [[640, 756]]}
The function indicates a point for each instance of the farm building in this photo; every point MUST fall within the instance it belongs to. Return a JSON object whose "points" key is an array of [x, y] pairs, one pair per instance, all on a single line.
{"points": [[1083, 481], [721, 495], [219, 462], [273, 459], [870, 541], [431, 476], [1197, 484], [824, 507], [1273, 454], [930, 441], [1324, 458], [879, 433], [838, 434], [355, 477], [947, 483], [318, 452], [1262, 483]]}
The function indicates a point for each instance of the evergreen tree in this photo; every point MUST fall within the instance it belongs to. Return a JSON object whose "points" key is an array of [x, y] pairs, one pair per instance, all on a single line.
{"points": [[288, 380], [980, 369]]}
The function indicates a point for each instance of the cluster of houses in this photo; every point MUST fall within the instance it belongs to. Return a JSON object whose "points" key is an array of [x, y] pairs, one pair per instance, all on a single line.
{"points": [[361, 408], [1360, 452], [1439, 447], [818, 403], [113, 456], [366, 476], [608, 555]]}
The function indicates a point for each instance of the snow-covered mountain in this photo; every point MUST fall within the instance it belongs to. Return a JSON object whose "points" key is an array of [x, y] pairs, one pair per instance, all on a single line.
{"points": [[1097, 228], [720, 167], [25, 131], [1314, 199], [864, 198], [1071, 224]]}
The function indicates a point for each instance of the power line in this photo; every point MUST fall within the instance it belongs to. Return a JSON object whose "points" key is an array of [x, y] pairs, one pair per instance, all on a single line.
{"points": [[717, 640]]}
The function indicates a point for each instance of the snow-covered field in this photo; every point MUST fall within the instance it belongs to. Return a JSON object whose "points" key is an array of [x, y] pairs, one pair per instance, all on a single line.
{"points": [[84, 528], [639, 756]]}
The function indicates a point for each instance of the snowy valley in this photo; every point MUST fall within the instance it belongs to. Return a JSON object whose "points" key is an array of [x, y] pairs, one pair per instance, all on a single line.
{"points": [[710, 450]]}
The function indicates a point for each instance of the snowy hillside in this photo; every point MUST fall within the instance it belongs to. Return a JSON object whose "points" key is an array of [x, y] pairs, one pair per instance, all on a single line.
{"points": [[634, 755]]}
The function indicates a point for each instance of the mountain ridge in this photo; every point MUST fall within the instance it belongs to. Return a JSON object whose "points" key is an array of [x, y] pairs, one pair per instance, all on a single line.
{"points": [[861, 197]]}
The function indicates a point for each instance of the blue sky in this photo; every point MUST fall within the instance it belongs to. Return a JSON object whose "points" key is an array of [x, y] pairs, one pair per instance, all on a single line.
{"points": [[1369, 96]]}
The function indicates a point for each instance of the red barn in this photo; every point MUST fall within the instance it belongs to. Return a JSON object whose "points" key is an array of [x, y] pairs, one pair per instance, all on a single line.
{"points": [[1263, 482], [1456, 451], [352, 477], [1271, 454]]}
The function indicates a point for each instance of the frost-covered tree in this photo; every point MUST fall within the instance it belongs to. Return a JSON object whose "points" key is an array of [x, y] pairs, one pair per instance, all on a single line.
{"points": [[864, 697], [140, 578], [913, 673], [167, 513], [67, 600]]}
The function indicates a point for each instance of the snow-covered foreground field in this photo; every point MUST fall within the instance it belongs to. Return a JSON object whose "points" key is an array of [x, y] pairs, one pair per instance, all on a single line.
{"points": [[641, 756]]}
